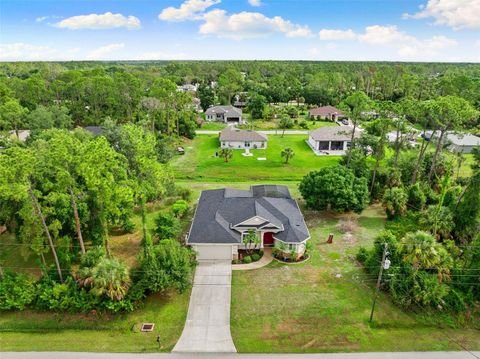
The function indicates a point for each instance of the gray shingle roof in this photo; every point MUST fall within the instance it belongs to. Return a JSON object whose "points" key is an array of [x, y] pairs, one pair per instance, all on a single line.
{"points": [[219, 210], [228, 110], [235, 134], [463, 139], [334, 133], [459, 139]]}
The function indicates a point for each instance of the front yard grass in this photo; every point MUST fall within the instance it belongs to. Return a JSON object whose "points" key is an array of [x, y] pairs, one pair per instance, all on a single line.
{"points": [[37, 331], [323, 305], [199, 162]]}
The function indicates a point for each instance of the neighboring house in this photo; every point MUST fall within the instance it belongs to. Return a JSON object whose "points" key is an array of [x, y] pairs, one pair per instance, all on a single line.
{"points": [[408, 138], [224, 216], [22, 134], [226, 114], [235, 138], [240, 100], [457, 142], [326, 113], [331, 140], [187, 88]]}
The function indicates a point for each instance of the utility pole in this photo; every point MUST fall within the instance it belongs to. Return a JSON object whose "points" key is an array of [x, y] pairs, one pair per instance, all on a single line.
{"points": [[377, 289]]}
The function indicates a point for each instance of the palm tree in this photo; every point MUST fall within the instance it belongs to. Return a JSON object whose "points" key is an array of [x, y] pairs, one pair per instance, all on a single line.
{"points": [[287, 153], [422, 251], [226, 153], [285, 122], [251, 239], [111, 278]]}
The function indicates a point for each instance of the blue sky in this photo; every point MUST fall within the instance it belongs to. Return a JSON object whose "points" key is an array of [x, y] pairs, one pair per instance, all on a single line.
{"points": [[405, 30]]}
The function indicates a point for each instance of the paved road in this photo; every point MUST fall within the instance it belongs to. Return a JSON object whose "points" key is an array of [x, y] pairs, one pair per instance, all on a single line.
{"points": [[207, 328], [410, 355], [267, 132]]}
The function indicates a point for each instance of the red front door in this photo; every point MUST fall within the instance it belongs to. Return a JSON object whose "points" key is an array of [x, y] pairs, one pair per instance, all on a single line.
{"points": [[268, 239]]}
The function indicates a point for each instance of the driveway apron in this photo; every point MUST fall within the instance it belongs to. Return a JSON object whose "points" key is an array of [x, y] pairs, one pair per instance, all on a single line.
{"points": [[207, 328]]}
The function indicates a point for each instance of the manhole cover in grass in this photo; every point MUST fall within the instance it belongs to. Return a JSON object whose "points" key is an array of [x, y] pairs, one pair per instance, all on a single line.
{"points": [[147, 327]]}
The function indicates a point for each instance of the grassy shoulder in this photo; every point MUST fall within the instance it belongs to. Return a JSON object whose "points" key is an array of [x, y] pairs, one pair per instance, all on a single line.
{"points": [[200, 164], [37, 331], [323, 305]]}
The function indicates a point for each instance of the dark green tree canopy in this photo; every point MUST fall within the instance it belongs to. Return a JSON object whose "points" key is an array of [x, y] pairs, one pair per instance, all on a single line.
{"points": [[335, 188]]}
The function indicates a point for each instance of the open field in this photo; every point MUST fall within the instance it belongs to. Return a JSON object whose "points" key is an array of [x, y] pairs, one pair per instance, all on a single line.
{"points": [[324, 304], [199, 162]]}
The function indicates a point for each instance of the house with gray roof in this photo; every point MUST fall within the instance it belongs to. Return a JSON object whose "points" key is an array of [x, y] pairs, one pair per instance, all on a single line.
{"points": [[456, 142], [224, 216], [235, 138], [331, 140], [226, 114]]}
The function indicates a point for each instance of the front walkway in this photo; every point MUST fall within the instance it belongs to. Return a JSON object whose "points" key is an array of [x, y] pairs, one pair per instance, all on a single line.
{"points": [[207, 328], [267, 258]]}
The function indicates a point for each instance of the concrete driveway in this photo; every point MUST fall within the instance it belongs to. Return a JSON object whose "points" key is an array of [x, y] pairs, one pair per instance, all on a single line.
{"points": [[207, 328]]}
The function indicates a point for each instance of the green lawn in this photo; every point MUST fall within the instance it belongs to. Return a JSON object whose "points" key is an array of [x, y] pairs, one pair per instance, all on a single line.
{"points": [[36, 331], [274, 124], [268, 125], [323, 305], [200, 163], [212, 126]]}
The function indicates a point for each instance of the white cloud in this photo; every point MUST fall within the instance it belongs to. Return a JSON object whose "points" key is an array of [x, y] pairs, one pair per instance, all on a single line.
{"points": [[255, 3], [20, 51], [102, 52], [99, 21], [43, 18], [377, 34], [189, 10], [331, 34], [477, 43], [425, 49], [248, 25], [235, 26], [458, 14]]}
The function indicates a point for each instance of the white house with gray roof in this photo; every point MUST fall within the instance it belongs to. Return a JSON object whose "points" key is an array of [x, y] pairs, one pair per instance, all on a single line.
{"points": [[331, 140], [224, 216], [456, 142], [226, 114], [235, 138]]}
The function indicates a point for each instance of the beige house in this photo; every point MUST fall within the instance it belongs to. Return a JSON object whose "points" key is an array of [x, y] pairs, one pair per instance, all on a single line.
{"points": [[235, 138], [329, 113], [331, 140]]}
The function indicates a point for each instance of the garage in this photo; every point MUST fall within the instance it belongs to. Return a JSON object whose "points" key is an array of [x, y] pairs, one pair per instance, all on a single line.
{"points": [[206, 252]]}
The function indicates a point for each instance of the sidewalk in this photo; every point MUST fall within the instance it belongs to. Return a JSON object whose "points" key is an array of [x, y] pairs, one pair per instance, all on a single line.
{"points": [[267, 258]]}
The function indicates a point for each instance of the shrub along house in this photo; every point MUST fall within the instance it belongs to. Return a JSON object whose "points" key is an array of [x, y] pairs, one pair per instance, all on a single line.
{"points": [[331, 140], [226, 114], [235, 138], [224, 216]]}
